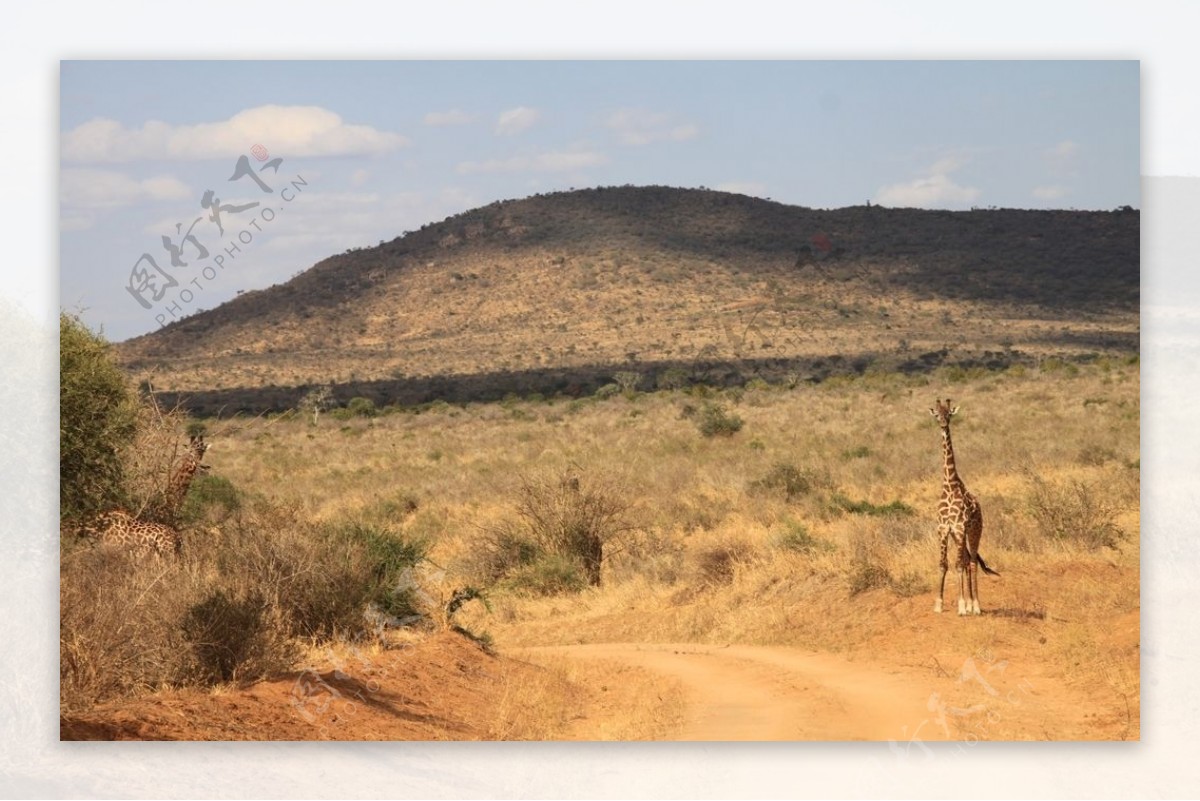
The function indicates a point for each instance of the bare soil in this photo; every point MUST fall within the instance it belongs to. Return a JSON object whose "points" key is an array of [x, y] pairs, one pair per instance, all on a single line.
{"points": [[448, 688], [444, 688]]}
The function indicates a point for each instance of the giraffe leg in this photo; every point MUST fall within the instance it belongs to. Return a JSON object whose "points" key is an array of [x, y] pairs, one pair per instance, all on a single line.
{"points": [[963, 580], [973, 581], [962, 589], [937, 604]]}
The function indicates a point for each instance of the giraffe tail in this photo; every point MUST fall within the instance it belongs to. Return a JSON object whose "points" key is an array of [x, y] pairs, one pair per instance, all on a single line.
{"points": [[983, 564]]}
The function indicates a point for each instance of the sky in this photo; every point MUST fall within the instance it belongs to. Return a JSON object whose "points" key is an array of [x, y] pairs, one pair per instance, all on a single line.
{"points": [[183, 183]]}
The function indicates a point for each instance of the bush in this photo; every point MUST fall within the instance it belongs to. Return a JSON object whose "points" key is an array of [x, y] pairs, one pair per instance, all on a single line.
{"points": [[716, 564], [859, 452], [867, 576], [673, 378], [361, 407], [715, 421], [1076, 512], [357, 566], [567, 516], [232, 607], [797, 539], [841, 503], [230, 638], [549, 574], [210, 498], [787, 477], [501, 550], [867, 568], [628, 381], [97, 419], [608, 391], [909, 585], [571, 516]]}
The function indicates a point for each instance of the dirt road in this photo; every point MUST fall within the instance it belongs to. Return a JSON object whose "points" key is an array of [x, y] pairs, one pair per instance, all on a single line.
{"points": [[743, 692]]}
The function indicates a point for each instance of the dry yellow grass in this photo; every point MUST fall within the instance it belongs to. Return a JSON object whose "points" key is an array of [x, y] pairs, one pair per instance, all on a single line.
{"points": [[724, 554]]}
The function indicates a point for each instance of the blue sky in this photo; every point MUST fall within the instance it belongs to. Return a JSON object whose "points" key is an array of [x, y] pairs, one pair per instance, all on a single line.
{"points": [[384, 147]]}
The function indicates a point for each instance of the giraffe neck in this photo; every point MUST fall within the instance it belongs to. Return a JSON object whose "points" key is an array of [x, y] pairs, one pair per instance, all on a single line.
{"points": [[949, 469], [178, 488]]}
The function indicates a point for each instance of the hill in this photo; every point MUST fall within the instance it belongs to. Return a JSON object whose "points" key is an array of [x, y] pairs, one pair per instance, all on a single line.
{"points": [[558, 292]]}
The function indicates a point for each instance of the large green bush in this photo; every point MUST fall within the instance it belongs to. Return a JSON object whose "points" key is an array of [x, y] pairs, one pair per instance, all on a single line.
{"points": [[97, 418]]}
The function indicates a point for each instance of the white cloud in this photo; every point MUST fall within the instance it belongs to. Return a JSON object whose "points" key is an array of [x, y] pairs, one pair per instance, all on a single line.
{"points": [[1052, 192], [1063, 158], [753, 188], [108, 189], [452, 117], [516, 120], [1065, 149], [935, 189], [75, 222], [553, 161], [637, 126], [284, 130]]}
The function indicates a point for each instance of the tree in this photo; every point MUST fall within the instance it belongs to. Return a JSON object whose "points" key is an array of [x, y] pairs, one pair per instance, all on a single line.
{"points": [[628, 380], [316, 400], [97, 419]]}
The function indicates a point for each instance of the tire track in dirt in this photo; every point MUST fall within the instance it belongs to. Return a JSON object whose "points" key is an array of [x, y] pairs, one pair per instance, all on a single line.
{"points": [[743, 692]]}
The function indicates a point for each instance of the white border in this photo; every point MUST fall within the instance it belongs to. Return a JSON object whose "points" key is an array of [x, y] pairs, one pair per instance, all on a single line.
{"points": [[34, 764]]}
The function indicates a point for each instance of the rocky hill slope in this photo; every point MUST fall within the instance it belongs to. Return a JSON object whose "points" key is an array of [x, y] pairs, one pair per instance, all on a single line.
{"points": [[557, 292]]}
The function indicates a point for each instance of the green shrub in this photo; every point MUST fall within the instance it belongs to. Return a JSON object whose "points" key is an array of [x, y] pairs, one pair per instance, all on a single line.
{"points": [[501, 550], [673, 378], [840, 503], [210, 497], [97, 419], [549, 574], [361, 407], [608, 391], [628, 381], [796, 538], [566, 515], [715, 421], [787, 477]]}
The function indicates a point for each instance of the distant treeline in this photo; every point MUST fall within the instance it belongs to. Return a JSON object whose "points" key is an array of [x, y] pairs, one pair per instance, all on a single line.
{"points": [[585, 380]]}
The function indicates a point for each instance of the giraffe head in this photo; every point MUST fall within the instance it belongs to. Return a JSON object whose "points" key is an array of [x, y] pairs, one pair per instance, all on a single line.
{"points": [[943, 411], [196, 447]]}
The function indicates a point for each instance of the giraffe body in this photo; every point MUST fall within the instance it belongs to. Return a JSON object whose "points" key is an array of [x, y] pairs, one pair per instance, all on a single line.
{"points": [[960, 520], [120, 529]]}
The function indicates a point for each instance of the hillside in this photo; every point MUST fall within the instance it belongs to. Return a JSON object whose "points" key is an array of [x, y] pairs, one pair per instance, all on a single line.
{"points": [[557, 292]]}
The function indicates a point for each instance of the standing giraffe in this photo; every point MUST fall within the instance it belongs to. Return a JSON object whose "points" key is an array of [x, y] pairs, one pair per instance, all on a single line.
{"points": [[960, 518]]}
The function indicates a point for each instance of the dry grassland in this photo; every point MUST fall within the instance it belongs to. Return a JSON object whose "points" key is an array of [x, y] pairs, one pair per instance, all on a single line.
{"points": [[811, 526]]}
